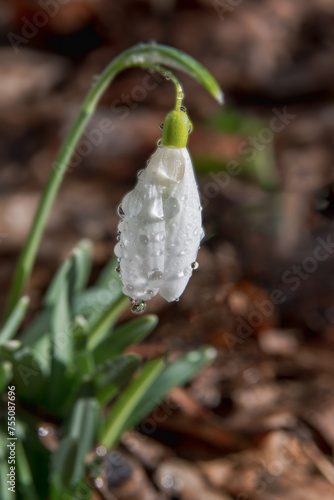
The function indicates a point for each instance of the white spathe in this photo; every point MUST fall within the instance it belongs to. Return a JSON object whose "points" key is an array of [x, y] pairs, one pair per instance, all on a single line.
{"points": [[160, 230]]}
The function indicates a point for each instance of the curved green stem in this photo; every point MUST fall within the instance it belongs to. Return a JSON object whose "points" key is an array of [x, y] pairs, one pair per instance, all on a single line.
{"points": [[142, 55]]}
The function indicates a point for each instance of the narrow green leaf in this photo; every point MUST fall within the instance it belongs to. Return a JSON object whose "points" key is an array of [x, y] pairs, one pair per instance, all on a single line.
{"points": [[14, 320], [69, 458], [82, 264], [56, 287], [37, 328], [174, 374], [115, 375], [6, 373], [62, 363], [122, 410], [131, 332], [28, 376], [24, 476], [100, 330], [109, 274]]}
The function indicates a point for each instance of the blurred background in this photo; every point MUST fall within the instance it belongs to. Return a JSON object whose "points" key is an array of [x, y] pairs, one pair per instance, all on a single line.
{"points": [[258, 423]]}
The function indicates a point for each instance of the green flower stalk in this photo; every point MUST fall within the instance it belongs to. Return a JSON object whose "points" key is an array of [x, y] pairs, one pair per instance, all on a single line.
{"points": [[144, 56]]}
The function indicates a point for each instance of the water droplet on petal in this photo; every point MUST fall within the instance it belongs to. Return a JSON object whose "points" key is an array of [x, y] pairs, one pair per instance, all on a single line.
{"points": [[138, 306], [195, 231], [160, 237], [184, 109], [159, 143], [184, 197], [167, 77], [120, 211], [118, 238], [118, 269], [155, 274], [172, 207], [143, 240], [139, 174], [191, 128], [150, 292], [161, 126], [195, 265], [177, 300], [186, 272], [118, 250]]}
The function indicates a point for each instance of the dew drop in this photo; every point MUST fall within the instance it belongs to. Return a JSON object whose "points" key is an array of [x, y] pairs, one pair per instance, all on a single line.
{"points": [[118, 238], [139, 174], [171, 208], [177, 300], [128, 288], [200, 208], [118, 269], [150, 292], [155, 274], [138, 306], [184, 109], [161, 126], [167, 77], [159, 143], [195, 265], [160, 237], [186, 272], [118, 250], [143, 240], [120, 211], [184, 197], [195, 231], [191, 128]]}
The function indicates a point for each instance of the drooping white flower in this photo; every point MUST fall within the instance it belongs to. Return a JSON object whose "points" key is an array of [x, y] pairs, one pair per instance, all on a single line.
{"points": [[160, 230]]}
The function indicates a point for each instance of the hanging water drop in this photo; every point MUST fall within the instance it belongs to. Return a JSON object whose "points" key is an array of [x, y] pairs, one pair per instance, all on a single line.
{"points": [[118, 269], [184, 109], [120, 211], [161, 126], [138, 306], [139, 174], [195, 265], [159, 143]]}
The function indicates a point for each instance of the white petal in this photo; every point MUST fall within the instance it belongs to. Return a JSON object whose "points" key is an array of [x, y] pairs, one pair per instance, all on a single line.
{"points": [[183, 230], [161, 228]]}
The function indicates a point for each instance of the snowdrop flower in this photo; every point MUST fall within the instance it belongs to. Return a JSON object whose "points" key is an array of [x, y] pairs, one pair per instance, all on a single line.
{"points": [[160, 228]]}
